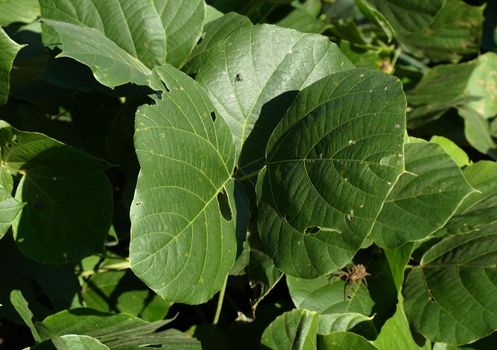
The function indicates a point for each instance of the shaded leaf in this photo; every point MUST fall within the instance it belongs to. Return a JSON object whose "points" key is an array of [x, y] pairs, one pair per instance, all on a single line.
{"points": [[330, 295], [296, 329], [427, 28], [252, 89], [8, 49], [479, 208], [68, 208], [9, 208], [22, 308], [423, 199], [457, 276], [182, 246], [120, 291], [349, 126], [344, 341], [477, 132], [396, 334]]}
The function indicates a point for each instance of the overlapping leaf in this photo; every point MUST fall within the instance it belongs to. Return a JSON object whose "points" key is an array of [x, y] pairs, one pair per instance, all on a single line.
{"points": [[344, 341], [68, 199], [252, 88], [12, 11], [296, 329], [331, 163], [480, 208], [8, 51], [427, 28], [424, 197], [451, 297], [183, 232], [122, 40]]}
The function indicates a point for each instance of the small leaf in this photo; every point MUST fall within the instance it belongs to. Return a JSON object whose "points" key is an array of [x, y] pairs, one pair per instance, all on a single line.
{"points": [[22, 307], [9, 49], [423, 199], [181, 245], [457, 276], [331, 162], [9, 209], [296, 329]]}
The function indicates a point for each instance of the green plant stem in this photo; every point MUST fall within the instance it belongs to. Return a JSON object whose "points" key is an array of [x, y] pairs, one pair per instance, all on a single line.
{"points": [[220, 302], [414, 62], [248, 176], [112, 267]]}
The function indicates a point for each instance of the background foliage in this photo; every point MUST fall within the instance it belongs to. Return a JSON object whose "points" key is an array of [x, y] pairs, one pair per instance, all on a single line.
{"points": [[274, 174]]}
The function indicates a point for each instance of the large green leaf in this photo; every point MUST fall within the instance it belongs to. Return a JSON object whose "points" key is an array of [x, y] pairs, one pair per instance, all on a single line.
{"points": [[128, 37], [483, 83], [331, 163], [183, 232], [252, 88], [68, 198], [479, 208], [215, 32], [427, 27], [296, 329], [12, 11], [8, 51], [451, 297], [424, 197]]}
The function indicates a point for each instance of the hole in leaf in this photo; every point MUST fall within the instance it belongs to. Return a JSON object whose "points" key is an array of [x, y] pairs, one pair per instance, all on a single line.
{"points": [[200, 40], [312, 230], [165, 87], [224, 205], [213, 116], [238, 78]]}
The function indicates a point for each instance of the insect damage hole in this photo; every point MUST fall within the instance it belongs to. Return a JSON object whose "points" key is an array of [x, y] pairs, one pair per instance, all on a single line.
{"points": [[213, 116], [224, 205], [238, 78], [312, 230], [165, 87]]}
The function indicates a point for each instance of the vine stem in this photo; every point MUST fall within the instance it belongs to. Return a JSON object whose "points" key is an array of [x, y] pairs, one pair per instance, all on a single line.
{"points": [[112, 267], [220, 302]]}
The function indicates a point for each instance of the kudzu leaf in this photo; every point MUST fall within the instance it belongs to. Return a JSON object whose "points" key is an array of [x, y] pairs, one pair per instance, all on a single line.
{"points": [[480, 207], [451, 297], [9, 49], [183, 233], [396, 334], [12, 11], [68, 199], [426, 195], [428, 28], [252, 89], [296, 329], [344, 341], [215, 32], [77, 342], [21, 306], [329, 323], [330, 295], [128, 37], [331, 163]]}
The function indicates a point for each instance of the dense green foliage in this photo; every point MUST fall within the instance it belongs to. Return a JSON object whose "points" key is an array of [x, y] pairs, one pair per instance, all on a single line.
{"points": [[275, 174]]}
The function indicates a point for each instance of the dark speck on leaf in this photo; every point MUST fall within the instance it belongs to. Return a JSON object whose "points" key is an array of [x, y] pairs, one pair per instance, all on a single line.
{"points": [[238, 78]]}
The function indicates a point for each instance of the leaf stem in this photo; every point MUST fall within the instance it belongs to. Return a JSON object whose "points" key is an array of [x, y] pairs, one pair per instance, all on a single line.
{"points": [[112, 267], [220, 302], [414, 62], [248, 176]]}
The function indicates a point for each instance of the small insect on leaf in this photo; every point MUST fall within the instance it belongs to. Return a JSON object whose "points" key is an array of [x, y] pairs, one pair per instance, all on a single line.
{"points": [[238, 78]]}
